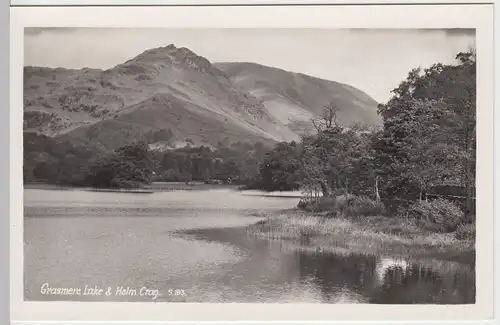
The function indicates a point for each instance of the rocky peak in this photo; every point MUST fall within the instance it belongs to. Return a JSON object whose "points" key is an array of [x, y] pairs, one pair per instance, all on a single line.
{"points": [[170, 54]]}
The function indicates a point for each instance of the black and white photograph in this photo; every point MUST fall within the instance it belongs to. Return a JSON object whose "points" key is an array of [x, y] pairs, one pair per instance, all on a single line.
{"points": [[327, 166]]}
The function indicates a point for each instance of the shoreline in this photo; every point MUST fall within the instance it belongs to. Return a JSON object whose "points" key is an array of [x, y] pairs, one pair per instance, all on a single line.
{"points": [[366, 235], [159, 187], [152, 188], [43, 186]]}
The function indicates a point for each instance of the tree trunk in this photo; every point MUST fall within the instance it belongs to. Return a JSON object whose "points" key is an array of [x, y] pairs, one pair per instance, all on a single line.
{"points": [[377, 194], [324, 188], [469, 193]]}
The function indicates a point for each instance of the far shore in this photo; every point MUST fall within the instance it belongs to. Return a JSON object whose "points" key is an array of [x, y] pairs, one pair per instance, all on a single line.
{"points": [[168, 186], [154, 187]]}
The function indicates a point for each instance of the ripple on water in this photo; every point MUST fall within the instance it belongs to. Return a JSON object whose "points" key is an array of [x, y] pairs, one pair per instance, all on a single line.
{"points": [[194, 241]]}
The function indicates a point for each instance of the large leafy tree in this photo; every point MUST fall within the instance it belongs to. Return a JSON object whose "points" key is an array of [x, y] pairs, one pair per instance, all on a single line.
{"points": [[129, 166], [339, 158], [279, 170], [429, 135]]}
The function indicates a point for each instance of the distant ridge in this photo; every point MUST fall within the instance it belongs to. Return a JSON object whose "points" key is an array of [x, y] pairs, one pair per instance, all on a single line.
{"points": [[295, 98]]}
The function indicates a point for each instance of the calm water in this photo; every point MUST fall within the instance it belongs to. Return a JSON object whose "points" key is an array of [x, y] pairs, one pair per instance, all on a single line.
{"points": [[192, 246]]}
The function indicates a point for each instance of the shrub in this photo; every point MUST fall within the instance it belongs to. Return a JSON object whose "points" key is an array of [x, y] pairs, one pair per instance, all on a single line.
{"points": [[351, 205], [318, 205], [346, 205], [466, 231], [437, 215], [328, 203], [304, 204]]}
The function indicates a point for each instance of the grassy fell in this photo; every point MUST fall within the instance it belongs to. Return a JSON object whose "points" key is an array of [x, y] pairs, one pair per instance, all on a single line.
{"points": [[370, 235]]}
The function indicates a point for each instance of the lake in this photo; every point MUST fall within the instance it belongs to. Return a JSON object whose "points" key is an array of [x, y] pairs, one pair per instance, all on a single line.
{"points": [[191, 246]]}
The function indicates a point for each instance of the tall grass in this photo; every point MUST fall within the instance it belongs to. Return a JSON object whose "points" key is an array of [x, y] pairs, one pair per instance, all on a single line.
{"points": [[357, 223], [298, 225], [373, 234]]}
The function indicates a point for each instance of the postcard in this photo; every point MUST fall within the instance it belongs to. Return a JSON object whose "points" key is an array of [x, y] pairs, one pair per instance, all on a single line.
{"points": [[252, 163]]}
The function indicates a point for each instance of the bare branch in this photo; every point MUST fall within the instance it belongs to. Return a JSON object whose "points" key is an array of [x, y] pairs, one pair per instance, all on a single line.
{"points": [[328, 118]]}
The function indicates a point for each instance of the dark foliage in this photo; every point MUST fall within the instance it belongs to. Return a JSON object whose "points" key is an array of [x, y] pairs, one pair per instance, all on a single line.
{"points": [[59, 161], [279, 170], [128, 167]]}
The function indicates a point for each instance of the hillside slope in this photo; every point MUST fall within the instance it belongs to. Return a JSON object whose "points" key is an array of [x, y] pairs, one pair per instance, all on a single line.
{"points": [[295, 98], [61, 101], [171, 96]]}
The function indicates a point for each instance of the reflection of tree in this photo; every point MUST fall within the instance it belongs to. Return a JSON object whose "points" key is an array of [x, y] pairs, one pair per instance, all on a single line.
{"points": [[398, 282], [422, 285], [330, 272]]}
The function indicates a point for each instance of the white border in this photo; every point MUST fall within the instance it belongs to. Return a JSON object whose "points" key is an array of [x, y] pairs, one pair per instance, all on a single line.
{"points": [[478, 16], [221, 2]]}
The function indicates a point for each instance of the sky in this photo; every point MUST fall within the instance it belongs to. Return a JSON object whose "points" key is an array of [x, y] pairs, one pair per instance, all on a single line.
{"points": [[372, 60]]}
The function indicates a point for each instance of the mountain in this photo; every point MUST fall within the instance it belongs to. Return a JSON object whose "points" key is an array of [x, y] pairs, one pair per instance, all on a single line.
{"points": [[295, 98], [171, 96]]}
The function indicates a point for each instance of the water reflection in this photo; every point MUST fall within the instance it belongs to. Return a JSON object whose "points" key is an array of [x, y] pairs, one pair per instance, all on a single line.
{"points": [[197, 242], [343, 277], [384, 280]]}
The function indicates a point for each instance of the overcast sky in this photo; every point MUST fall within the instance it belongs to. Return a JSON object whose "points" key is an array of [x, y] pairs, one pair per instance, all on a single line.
{"points": [[374, 61]]}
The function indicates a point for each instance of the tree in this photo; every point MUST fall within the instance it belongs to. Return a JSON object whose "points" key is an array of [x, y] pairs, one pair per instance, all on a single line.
{"points": [[279, 170], [128, 166], [229, 170], [249, 166], [311, 173], [429, 132], [328, 117], [45, 167], [206, 174]]}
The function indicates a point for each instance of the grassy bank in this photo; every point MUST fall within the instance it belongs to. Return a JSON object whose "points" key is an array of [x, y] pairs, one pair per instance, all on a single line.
{"points": [[370, 235]]}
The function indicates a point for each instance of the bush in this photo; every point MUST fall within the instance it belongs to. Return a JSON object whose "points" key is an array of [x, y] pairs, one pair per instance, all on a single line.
{"points": [[466, 231], [351, 205], [304, 204], [328, 203], [344, 205], [437, 215], [318, 204]]}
